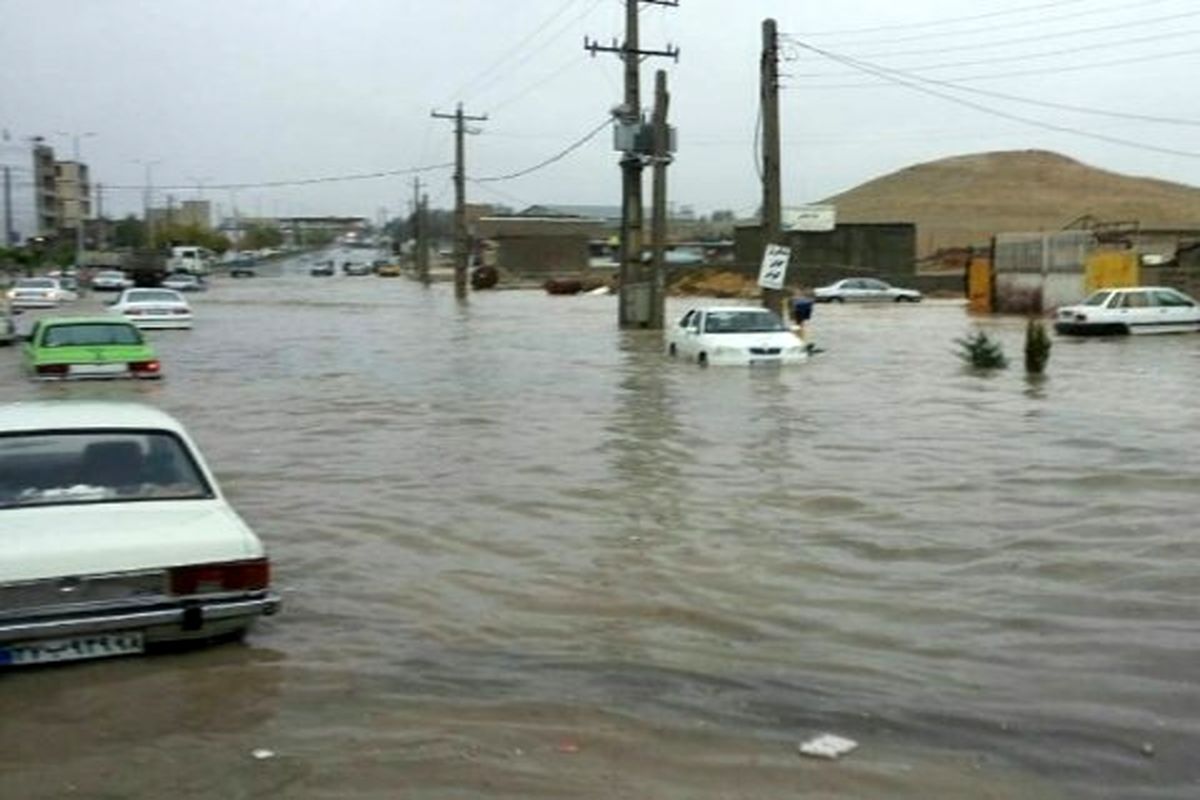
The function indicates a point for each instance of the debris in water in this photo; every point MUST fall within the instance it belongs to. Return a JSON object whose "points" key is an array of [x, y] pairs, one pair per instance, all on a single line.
{"points": [[827, 746], [1147, 750], [568, 746], [262, 754]]}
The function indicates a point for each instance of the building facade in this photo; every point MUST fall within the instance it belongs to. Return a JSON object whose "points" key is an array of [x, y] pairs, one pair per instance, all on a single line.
{"points": [[45, 190], [74, 193]]}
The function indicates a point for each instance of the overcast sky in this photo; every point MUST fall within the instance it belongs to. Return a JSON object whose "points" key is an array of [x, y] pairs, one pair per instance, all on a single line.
{"points": [[245, 91]]}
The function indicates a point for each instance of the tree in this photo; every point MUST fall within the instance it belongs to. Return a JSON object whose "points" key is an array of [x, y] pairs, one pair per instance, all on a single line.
{"points": [[200, 235], [257, 236], [129, 232]]}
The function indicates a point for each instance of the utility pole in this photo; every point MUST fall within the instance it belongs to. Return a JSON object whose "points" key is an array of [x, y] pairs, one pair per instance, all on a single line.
{"points": [[423, 239], [772, 193], [8, 215], [101, 233], [658, 217], [461, 242], [636, 287]]}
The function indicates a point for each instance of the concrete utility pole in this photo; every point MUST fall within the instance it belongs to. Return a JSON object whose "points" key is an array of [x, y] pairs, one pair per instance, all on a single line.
{"points": [[636, 298], [423, 239], [461, 242], [658, 224], [772, 193], [8, 214]]}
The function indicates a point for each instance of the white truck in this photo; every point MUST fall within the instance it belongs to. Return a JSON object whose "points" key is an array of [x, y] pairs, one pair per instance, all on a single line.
{"points": [[190, 259]]}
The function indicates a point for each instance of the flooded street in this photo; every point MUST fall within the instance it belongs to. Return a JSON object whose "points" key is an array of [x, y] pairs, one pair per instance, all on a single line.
{"points": [[523, 554]]}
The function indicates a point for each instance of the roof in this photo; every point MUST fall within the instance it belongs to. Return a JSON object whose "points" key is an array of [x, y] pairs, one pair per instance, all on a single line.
{"points": [[607, 213], [96, 319], [67, 414]]}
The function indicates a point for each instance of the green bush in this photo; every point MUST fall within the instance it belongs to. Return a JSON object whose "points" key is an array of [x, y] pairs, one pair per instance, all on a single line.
{"points": [[980, 351], [1037, 347]]}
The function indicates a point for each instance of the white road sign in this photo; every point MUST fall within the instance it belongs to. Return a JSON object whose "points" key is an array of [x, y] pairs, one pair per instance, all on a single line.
{"points": [[774, 266], [810, 218]]}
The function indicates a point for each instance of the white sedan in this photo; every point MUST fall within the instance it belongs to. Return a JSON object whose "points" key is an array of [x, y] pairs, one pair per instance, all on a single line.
{"points": [[864, 290], [738, 335], [1136, 310], [110, 280], [39, 293], [154, 308], [116, 536]]}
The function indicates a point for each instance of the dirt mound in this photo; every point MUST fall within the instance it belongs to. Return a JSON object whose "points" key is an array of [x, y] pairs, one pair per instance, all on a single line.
{"points": [[714, 283], [965, 200]]}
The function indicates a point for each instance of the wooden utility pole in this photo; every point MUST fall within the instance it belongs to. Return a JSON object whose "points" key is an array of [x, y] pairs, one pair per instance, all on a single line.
{"points": [[462, 245], [658, 224], [772, 194], [636, 288]]}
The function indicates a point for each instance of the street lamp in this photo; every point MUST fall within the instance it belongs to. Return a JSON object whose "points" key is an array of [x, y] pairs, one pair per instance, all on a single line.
{"points": [[80, 193]]}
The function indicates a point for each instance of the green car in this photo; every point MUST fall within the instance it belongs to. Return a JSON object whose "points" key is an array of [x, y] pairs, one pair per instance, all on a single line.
{"points": [[74, 348]]}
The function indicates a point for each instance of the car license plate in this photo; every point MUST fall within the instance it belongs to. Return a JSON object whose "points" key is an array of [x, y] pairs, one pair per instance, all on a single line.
{"points": [[98, 369], [50, 651]]}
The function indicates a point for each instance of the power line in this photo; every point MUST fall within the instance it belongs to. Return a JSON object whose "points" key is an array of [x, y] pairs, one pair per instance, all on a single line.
{"points": [[1123, 42], [890, 76], [554, 158], [1040, 21], [1125, 26], [947, 21], [1030, 72], [359, 176]]}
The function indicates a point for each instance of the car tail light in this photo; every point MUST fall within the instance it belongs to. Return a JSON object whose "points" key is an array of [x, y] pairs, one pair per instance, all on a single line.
{"points": [[145, 367], [52, 369], [234, 576]]}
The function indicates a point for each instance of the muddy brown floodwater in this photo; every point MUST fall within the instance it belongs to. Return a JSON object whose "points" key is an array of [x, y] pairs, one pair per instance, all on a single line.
{"points": [[525, 555]]}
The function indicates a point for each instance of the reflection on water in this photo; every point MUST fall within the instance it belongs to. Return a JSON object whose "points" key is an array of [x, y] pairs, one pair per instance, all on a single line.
{"points": [[504, 525]]}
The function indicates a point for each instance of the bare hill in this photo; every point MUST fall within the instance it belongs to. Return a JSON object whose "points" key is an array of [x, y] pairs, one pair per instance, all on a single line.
{"points": [[964, 200]]}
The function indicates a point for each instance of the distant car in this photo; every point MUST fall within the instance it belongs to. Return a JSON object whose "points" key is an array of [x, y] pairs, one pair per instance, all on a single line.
{"points": [[356, 268], [388, 270], [154, 308], [864, 290], [39, 293], [75, 348], [243, 269], [1139, 310], [117, 537], [321, 270], [110, 281], [184, 282], [736, 335]]}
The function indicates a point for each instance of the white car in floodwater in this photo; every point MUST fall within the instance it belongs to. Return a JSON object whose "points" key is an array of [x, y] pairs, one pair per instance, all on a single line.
{"points": [[116, 536], [735, 335], [1135, 310], [39, 293], [154, 308], [864, 290]]}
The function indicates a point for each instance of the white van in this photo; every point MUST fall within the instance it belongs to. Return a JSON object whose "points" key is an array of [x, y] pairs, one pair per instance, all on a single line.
{"points": [[190, 259]]}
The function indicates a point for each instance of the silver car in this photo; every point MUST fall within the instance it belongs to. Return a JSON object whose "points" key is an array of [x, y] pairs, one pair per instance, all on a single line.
{"points": [[864, 290]]}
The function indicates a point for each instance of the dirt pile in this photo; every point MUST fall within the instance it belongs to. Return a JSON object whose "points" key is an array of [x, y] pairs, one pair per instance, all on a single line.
{"points": [[964, 200], [714, 283]]}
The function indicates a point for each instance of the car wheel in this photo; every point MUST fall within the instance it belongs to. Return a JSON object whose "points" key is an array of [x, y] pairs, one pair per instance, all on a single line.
{"points": [[901, 299], [702, 359], [837, 299], [672, 352]]}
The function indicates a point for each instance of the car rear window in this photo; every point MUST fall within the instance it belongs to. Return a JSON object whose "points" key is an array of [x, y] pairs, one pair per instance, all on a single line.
{"points": [[86, 334], [67, 468], [152, 296]]}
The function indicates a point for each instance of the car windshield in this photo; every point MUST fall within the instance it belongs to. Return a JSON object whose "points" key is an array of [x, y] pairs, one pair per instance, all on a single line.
{"points": [[749, 321], [66, 468], [35, 283], [152, 296], [1096, 299], [90, 334]]}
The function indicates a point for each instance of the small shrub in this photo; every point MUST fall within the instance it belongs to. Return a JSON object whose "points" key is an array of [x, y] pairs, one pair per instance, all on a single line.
{"points": [[981, 352], [1037, 347]]}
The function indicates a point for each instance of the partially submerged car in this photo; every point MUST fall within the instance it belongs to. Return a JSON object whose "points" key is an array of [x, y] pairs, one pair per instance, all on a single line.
{"points": [[864, 290], [116, 537], [80, 348], [184, 282], [738, 335], [39, 293], [110, 280], [1135, 310], [154, 309]]}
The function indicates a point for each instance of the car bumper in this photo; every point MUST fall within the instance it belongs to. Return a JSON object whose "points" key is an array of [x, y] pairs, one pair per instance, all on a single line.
{"points": [[32, 303], [749, 360], [161, 323], [179, 622], [1072, 328]]}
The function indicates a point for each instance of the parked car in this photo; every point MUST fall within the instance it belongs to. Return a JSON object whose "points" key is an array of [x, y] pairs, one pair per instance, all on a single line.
{"points": [[184, 282], [39, 293], [154, 308], [112, 280], [737, 335], [243, 267], [322, 270], [74, 348], [356, 268], [389, 270], [117, 537], [1137, 310], [864, 290]]}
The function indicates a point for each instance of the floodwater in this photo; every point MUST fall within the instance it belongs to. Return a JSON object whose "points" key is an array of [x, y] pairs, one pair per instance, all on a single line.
{"points": [[525, 555]]}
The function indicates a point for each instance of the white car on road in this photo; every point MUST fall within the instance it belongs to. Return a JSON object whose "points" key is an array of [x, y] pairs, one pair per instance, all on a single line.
{"points": [[39, 293], [738, 335], [154, 308], [864, 290], [1136, 310], [110, 280], [116, 536]]}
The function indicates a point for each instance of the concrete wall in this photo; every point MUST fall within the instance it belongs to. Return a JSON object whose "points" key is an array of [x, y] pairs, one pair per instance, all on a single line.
{"points": [[1036, 272], [542, 255], [885, 250]]}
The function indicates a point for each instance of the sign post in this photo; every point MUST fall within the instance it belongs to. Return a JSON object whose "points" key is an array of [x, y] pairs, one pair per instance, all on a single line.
{"points": [[773, 272]]}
